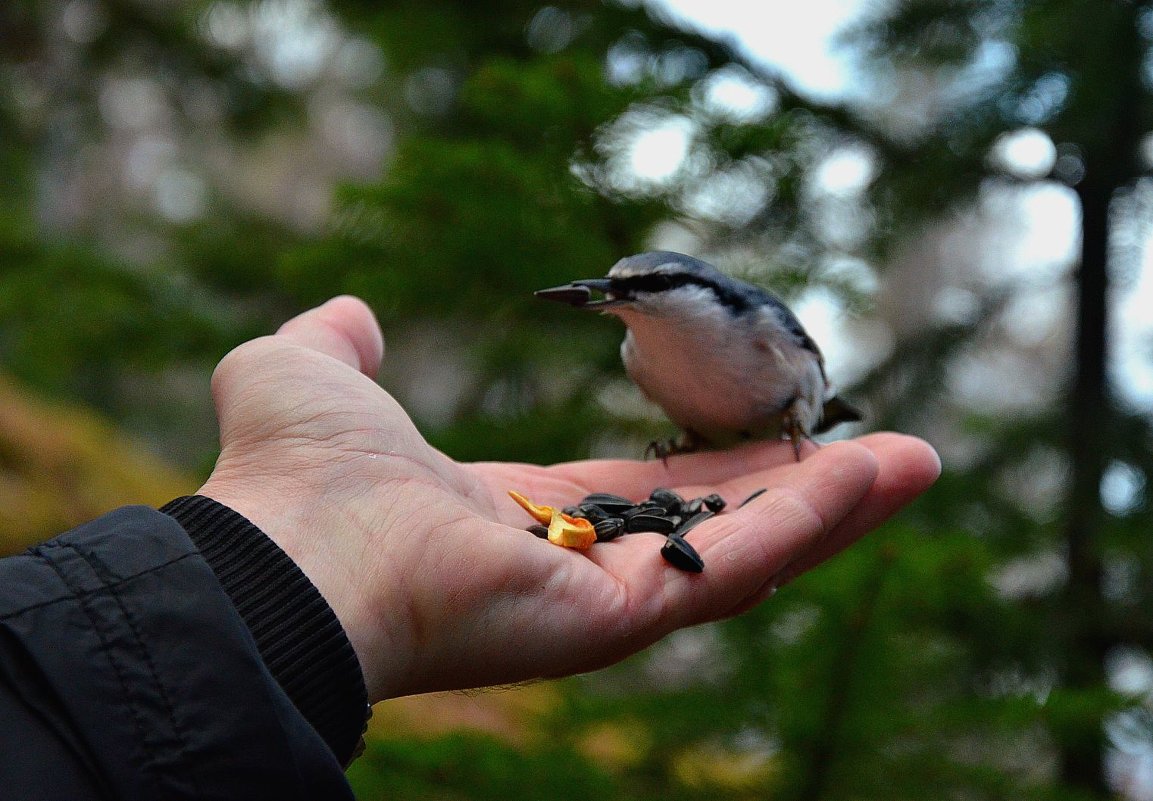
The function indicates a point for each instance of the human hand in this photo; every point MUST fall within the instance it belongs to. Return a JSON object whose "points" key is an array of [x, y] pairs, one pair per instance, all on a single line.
{"points": [[426, 561]]}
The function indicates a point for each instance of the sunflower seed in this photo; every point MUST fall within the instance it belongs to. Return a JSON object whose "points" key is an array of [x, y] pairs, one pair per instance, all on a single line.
{"points": [[667, 499], [649, 522], [692, 522], [680, 554], [613, 504], [609, 529], [755, 495], [714, 503], [572, 295], [591, 512]]}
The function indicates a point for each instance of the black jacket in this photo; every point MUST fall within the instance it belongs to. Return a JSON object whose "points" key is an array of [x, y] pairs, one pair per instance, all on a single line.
{"points": [[171, 655]]}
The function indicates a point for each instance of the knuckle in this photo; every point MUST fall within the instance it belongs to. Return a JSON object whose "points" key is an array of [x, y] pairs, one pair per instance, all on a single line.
{"points": [[796, 511]]}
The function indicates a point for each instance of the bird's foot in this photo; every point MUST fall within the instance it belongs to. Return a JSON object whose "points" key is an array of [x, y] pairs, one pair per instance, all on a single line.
{"points": [[792, 429], [661, 449], [688, 442]]}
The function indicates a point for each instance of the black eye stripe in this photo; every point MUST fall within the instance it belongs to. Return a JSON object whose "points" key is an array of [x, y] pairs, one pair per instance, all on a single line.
{"points": [[739, 302], [649, 282]]}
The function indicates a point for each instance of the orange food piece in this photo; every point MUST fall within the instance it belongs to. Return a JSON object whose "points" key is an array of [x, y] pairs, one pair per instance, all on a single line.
{"points": [[542, 514], [571, 532], [564, 530]]}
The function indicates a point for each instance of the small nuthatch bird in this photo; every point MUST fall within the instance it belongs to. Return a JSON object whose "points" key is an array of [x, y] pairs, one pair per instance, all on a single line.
{"points": [[725, 360]]}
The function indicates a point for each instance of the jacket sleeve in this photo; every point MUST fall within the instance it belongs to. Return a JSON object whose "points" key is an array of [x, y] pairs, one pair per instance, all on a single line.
{"points": [[128, 672]]}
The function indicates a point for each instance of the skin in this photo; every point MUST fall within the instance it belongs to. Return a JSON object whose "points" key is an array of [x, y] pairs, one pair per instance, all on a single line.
{"points": [[426, 561]]}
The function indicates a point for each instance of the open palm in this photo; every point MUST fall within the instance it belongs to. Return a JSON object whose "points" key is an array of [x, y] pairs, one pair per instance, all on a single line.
{"points": [[426, 561]]}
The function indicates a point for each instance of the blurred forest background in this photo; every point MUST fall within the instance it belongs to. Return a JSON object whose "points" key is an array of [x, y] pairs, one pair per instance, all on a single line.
{"points": [[966, 232]]}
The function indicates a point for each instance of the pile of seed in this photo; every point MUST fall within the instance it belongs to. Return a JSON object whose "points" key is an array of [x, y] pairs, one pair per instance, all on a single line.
{"points": [[663, 512]]}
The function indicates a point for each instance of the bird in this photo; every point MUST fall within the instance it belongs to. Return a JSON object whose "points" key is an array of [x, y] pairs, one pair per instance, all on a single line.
{"points": [[725, 360]]}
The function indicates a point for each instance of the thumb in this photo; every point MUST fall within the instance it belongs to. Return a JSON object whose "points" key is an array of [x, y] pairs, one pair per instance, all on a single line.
{"points": [[343, 328], [342, 331]]}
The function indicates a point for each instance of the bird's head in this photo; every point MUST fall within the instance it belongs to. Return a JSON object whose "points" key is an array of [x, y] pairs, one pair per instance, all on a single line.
{"points": [[663, 284]]}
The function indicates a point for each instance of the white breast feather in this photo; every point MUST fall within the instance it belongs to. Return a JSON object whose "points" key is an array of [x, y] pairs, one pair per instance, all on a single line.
{"points": [[720, 377]]}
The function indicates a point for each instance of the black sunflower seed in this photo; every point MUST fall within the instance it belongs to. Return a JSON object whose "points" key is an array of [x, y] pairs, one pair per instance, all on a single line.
{"points": [[539, 530], [692, 522], [591, 512], [643, 508], [609, 529], [666, 498], [681, 555], [755, 495], [649, 522], [572, 295], [714, 502], [614, 504]]}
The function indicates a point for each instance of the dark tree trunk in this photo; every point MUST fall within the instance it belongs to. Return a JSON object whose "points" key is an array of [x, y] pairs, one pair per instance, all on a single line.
{"points": [[1081, 741], [1110, 151]]}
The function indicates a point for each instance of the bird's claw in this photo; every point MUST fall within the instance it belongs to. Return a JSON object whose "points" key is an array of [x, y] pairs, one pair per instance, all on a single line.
{"points": [[663, 449], [660, 449], [791, 427]]}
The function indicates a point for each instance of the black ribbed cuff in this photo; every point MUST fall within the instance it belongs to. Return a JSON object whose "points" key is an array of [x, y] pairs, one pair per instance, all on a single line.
{"points": [[296, 631]]}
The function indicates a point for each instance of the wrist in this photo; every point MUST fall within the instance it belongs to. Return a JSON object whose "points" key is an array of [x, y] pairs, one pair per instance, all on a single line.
{"points": [[313, 542], [298, 635]]}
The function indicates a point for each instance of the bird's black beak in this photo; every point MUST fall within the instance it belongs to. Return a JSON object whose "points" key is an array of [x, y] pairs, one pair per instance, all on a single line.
{"points": [[579, 293]]}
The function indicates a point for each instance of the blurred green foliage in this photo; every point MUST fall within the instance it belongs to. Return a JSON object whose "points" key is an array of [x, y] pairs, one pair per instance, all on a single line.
{"points": [[475, 766], [962, 651]]}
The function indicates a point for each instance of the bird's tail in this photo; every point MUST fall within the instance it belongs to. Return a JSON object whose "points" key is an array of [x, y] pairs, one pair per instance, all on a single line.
{"points": [[836, 411]]}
